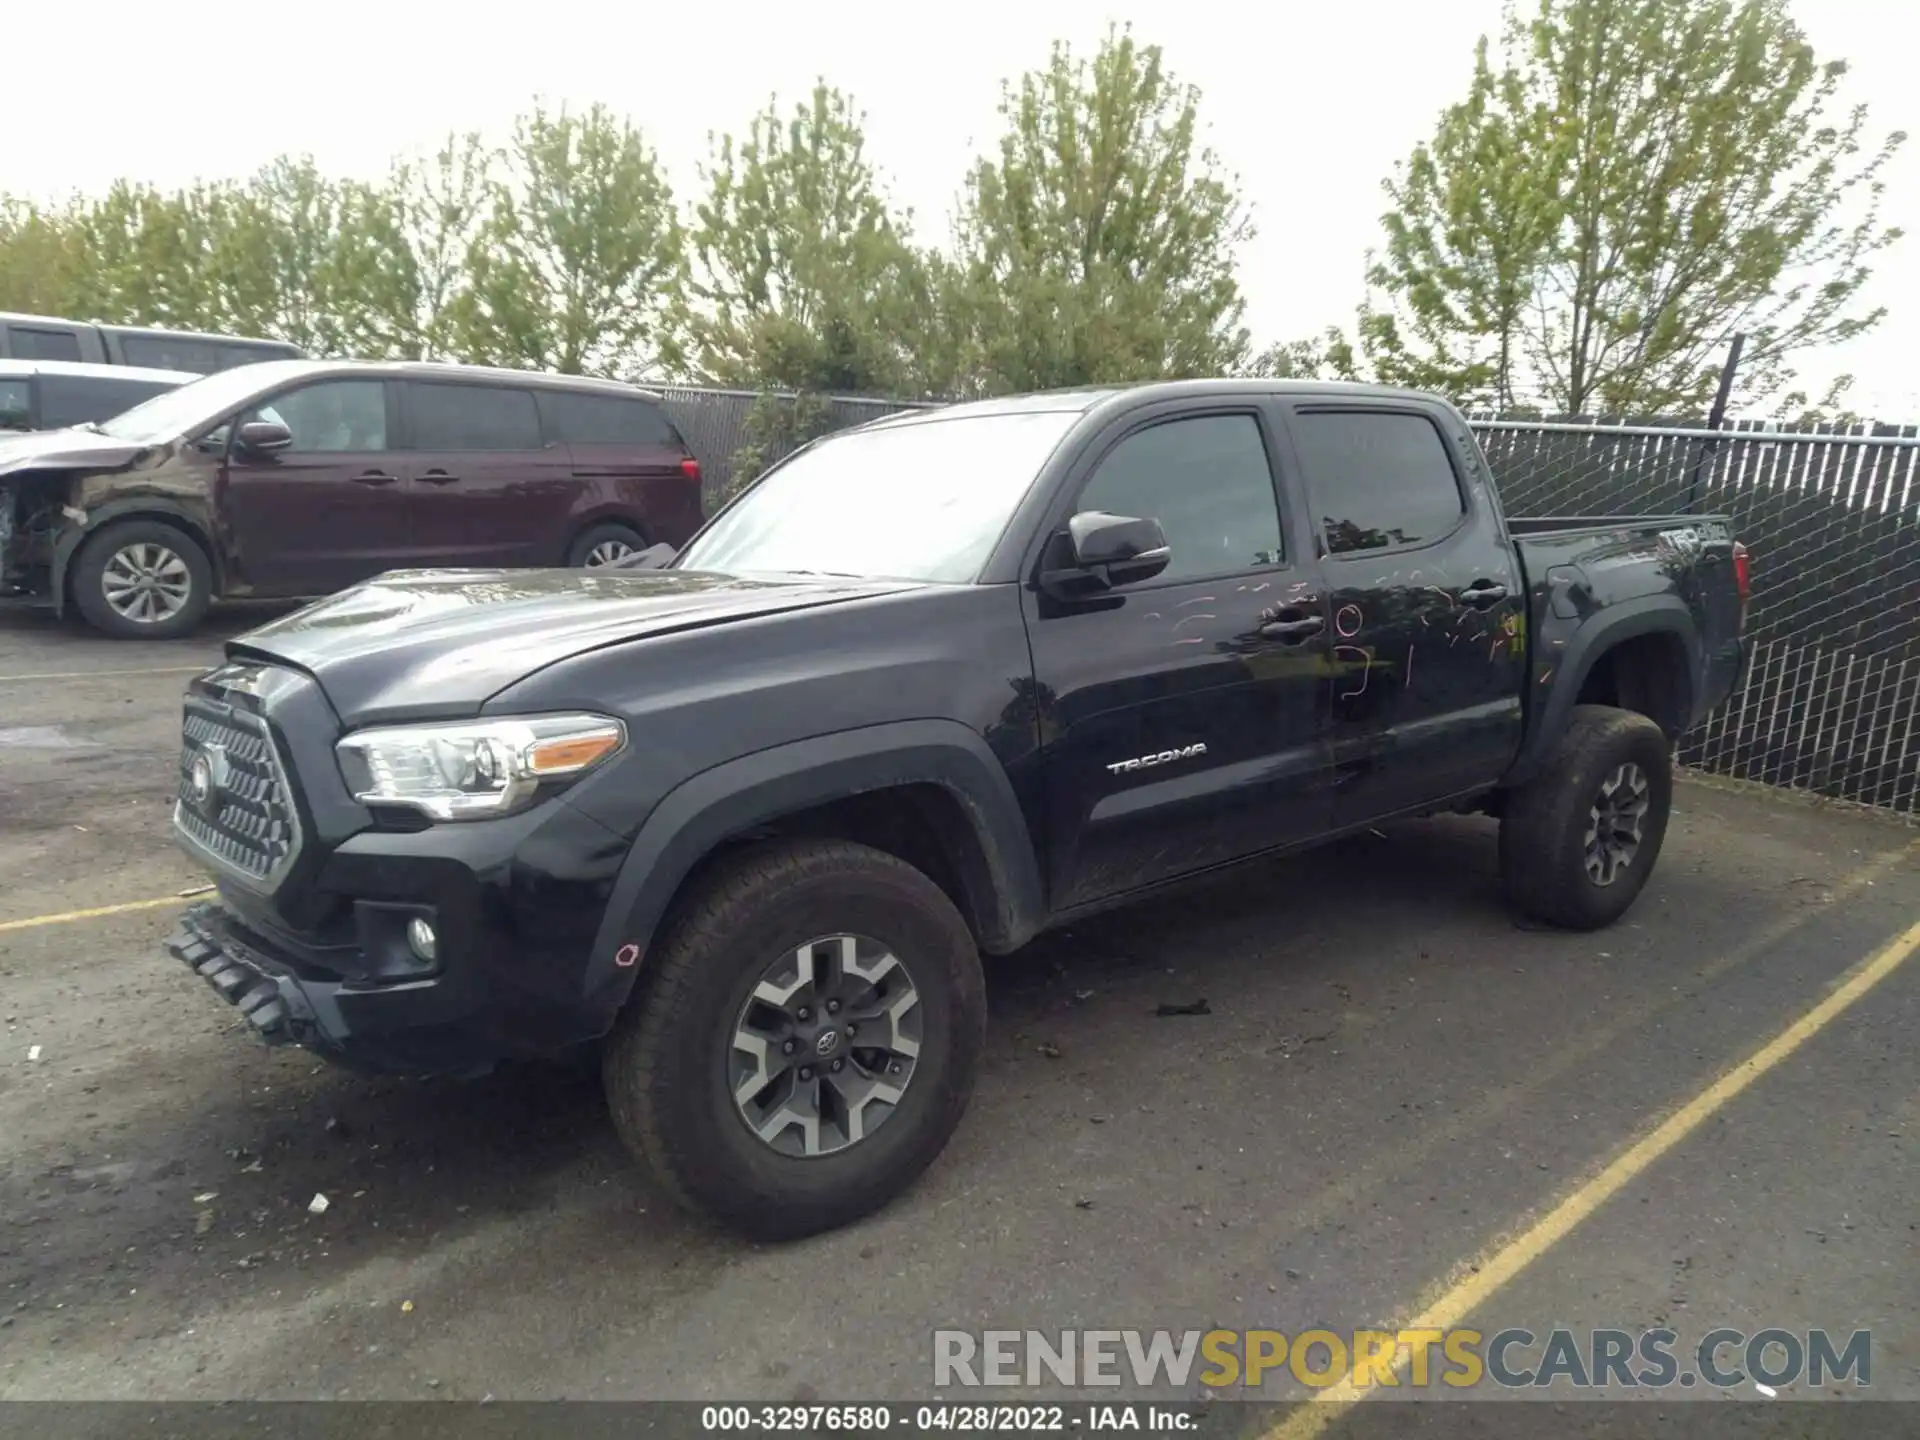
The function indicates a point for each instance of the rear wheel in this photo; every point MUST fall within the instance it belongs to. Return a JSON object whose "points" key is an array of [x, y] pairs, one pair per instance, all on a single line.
{"points": [[1578, 842], [604, 545], [142, 580], [805, 1041]]}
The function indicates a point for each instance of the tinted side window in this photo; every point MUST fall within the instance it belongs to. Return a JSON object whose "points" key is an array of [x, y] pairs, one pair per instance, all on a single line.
{"points": [[28, 342], [75, 400], [1377, 480], [169, 352], [16, 405], [331, 417], [1207, 481], [472, 417], [606, 420]]}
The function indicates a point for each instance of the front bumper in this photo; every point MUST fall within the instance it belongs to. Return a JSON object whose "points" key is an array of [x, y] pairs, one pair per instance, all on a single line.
{"points": [[420, 1027]]}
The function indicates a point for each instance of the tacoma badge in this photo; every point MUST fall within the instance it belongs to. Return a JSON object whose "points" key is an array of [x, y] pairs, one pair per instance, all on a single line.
{"points": [[1185, 752]]}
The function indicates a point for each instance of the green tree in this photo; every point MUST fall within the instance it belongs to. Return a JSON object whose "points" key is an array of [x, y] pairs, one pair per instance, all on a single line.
{"points": [[804, 277], [580, 261], [444, 205], [41, 261], [1629, 184], [1099, 243]]}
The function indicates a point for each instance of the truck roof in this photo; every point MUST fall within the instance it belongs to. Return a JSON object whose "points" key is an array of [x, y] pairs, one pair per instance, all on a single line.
{"points": [[1142, 393]]}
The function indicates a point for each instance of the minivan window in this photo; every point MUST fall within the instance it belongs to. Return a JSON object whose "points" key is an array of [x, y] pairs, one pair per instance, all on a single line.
{"points": [[199, 403], [578, 419], [16, 405], [472, 417], [1376, 480], [86, 399], [29, 342], [333, 417], [171, 352]]}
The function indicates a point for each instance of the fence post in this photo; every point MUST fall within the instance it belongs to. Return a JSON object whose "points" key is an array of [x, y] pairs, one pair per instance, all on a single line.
{"points": [[1715, 419]]}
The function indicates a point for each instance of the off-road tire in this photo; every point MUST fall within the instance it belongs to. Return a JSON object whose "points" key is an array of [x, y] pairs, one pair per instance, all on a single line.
{"points": [[665, 1066], [86, 578], [1543, 832]]}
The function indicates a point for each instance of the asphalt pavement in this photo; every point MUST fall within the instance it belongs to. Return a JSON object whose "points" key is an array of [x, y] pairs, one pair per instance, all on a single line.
{"points": [[1394, 1087]]}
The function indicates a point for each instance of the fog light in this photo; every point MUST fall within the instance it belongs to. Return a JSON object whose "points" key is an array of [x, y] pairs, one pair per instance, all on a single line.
{"points": [[422, 941]]}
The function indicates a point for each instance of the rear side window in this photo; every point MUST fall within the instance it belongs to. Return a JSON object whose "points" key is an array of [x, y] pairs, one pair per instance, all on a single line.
{"points": [[16, 405], [606, 420], [1376, 480], [171, 352], [472, 417], [77, 400], [31, 342]]}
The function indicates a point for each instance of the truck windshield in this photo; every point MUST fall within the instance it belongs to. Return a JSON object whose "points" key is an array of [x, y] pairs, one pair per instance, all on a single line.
{"points": [[920, 501], [179, 412]]}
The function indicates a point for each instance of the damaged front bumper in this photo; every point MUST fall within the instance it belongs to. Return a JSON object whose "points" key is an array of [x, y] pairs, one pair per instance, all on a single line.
{"points": [[416, 1028]]}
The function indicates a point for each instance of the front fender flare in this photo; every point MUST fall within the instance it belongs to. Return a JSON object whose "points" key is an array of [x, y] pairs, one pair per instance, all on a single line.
{"points": [[728, 800], [131, 507]]}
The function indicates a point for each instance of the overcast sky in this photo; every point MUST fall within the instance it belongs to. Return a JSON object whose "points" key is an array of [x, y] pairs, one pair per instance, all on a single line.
{"points": [[1309, 101]]}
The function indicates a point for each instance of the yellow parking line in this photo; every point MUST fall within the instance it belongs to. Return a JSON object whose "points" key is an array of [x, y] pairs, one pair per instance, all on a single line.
{"points": [[65, 916], [108, 674], [1495, 1269]]}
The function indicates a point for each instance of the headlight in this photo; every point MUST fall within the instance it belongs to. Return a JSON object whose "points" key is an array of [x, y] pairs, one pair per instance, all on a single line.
{"points": [[474, 769]]}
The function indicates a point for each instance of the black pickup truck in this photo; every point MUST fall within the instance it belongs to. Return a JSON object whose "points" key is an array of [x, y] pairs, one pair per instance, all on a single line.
{"points": [[925, 689]]}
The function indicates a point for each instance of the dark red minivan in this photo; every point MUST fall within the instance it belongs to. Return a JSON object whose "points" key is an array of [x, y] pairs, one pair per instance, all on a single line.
{"points": [[296, 478]]}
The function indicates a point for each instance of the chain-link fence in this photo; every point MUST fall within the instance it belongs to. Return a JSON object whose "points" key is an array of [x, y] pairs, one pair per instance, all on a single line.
{"points": [[1832, 519]]}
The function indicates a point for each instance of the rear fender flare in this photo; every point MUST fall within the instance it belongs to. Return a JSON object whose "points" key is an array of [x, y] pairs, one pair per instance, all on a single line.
{"points": [[1626, 620], [731, 799]]}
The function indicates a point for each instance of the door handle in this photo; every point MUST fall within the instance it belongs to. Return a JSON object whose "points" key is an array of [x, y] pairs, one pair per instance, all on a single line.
{"points": [[439, 477], [1483, 593], [374, 477], [1292, 632]]}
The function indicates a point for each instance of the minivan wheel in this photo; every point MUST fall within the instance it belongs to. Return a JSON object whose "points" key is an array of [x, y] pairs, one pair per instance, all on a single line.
{"points": [[804, 1040], [142, 580], [603, 545], [1578, 841]]}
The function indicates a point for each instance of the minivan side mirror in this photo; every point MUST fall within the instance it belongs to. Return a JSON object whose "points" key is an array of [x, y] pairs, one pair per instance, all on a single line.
{"points": [[263, 437], [1105, 552]]}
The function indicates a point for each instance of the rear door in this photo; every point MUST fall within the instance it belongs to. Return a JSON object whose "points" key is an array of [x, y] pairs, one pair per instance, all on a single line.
{"points": [[1184, 718], [632, 465], [486, 487], [1426, 603], [331, 509]]}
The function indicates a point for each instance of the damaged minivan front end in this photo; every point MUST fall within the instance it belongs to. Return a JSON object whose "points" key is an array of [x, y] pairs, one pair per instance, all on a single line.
{"points": [[53, 486]]}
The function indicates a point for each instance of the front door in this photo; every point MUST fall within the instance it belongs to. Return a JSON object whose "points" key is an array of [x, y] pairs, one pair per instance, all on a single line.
{"points": [[1428, 611], [1183, 718], [328, 511], [486, 489]]}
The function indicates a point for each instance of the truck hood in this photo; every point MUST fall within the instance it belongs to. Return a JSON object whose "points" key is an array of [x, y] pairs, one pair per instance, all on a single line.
{"points": [[432, 643], [64, 449]]}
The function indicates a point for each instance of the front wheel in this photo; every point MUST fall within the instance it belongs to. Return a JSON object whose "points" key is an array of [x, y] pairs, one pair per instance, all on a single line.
{"points": [[142, 580], [1578, 841], [804, 1041]]}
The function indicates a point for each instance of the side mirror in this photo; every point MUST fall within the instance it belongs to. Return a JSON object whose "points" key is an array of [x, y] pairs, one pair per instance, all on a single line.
{"points": [[263, 437], [1105, 552]]}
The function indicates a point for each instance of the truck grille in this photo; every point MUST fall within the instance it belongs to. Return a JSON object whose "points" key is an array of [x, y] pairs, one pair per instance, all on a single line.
{"points": [[234, 803]]}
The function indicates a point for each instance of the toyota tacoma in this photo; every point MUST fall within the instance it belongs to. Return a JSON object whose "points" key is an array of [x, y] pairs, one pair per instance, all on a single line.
{"points": [[742, 825]]}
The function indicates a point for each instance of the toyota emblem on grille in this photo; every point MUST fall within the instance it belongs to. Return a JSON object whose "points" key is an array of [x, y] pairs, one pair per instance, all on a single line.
{"points": [[203, 780]]}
